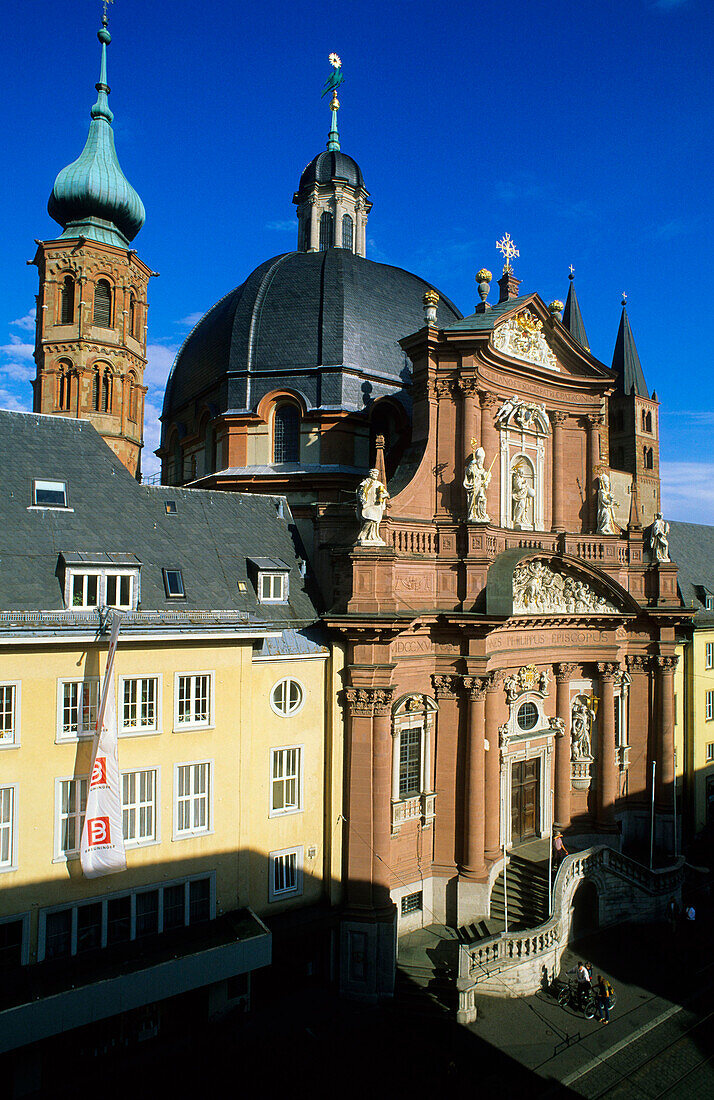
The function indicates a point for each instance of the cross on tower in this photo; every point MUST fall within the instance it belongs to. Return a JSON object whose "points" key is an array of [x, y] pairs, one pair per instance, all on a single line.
{"points": [[104, 5], [509, 250]]}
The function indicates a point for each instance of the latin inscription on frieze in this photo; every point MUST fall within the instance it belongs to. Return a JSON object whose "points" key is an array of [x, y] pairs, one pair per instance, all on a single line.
{"points": [[532, 639], [410, 646]]}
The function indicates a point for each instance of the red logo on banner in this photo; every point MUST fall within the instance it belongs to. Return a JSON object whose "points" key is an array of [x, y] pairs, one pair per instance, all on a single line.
{"points": [[98, 831], [99, 772]]}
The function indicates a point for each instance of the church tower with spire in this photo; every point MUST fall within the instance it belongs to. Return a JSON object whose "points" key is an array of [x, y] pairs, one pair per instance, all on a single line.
{"points": [[90, 346]]}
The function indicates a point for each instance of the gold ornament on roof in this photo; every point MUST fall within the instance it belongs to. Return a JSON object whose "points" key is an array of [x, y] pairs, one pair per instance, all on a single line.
{"points": [[483, 276], [509, 250]]}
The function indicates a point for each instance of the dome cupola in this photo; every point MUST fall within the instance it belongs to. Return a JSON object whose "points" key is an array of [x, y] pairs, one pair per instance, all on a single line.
{"points": [[92, 197], [332, 200]]}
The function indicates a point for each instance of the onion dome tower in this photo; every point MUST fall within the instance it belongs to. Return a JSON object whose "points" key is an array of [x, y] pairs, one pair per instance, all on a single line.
{"points": [[90, 346]]}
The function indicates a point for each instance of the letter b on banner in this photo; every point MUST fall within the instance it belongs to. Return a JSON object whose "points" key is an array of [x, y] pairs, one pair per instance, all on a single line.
{"points": [[98, 831]]}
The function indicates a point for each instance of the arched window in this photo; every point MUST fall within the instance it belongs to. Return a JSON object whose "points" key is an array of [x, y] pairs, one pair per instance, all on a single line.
{"points": [[103, 304], [304, 245], [64, 384], [327, 231], [649, 458], [95, 391], [67, 301], [132, 316], [178, 461], [286, 434], [347, 231], [210, 451], [106, 391], [133, 398]]}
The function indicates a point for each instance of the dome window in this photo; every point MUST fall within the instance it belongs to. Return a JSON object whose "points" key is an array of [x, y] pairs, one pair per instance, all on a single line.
{"points": [[286, 434], [103, 304], [347, 231], [64, 381], [67, 301], [327, 231]]}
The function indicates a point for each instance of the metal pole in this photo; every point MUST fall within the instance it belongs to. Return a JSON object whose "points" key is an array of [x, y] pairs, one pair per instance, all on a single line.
{"points": [[505, 871], [674, 799], [550, 860], [652, 815]]}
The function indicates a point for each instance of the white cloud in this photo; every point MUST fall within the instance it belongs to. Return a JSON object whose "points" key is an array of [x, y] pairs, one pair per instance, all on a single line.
{"points": [[18, 372], [688, 491], [10, 400], [152, 434], [288, 226], [26, 322], [160, 358], [17, 348], [190, 320]]}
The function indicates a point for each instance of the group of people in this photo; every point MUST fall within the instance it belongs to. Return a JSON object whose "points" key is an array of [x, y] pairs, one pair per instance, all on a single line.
{"points": [[603, 990]]}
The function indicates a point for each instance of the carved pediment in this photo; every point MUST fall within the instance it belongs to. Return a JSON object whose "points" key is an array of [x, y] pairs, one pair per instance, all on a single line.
{"points": [[538, 589], [522, 337]]}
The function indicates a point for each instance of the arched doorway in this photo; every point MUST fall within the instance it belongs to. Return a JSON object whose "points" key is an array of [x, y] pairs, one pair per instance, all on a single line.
{"points": [[585, 910]]}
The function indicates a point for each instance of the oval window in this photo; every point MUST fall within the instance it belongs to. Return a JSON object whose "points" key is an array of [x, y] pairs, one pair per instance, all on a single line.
{"points": [[287, 697], [527, 716]]}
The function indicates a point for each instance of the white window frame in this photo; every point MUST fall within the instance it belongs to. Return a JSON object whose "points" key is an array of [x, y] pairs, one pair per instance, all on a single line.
{"points": [[297, 777], [102, 574], [709, 603], [9, 826], [11, 740], [119, 574], [88, 682], [287, 680], [204, 830], [710, 752], [104, 900], [709, 655], [294, 891], [273, 576], [83, 574], [139, 731], [25, 946], [180, 727], [709, 706], [52, 485], [63, 855], [155, 838]]}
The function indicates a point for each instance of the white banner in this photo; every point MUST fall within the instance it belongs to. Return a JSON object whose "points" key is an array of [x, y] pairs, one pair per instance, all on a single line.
{"points": [[102, 847]]}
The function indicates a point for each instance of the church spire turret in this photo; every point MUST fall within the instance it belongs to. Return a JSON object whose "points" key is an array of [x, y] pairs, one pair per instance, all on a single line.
{"points": [[92, 197], [626, 361], [572, 317]]}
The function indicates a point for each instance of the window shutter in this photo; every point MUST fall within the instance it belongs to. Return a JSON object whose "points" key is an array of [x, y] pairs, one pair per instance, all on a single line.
{"points": [[103, 304]]}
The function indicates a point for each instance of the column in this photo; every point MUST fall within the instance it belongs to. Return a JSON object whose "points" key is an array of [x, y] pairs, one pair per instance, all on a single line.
{"points": [[447, 734], [314, 227], [491, 443], [474, 781], [607, 765], [472, 414], [558, 505], [563, 673], [665, 733], [492, 830], [381, 795], [595, 422]]}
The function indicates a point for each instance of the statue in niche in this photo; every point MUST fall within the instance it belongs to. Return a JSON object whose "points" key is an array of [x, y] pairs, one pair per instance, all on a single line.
{"points": [[606, 507], [372, 497], [522, 494], [476, 481], [582, 717], [659, 538]]}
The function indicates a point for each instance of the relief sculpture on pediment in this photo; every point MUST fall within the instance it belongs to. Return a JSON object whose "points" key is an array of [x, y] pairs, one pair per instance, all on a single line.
{"points": [[522, 337], [538, 589]]}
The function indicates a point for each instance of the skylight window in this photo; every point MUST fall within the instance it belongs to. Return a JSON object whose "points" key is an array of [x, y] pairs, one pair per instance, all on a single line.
{"points": [[170, 507], [49, 494], [173, 581]]}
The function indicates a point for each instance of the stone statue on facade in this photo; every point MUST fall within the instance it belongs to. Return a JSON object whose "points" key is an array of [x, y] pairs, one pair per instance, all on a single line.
{"points": [[606, 503], [521, 495], [659, 538], [581, 723], [372, 497], [476, 481]]}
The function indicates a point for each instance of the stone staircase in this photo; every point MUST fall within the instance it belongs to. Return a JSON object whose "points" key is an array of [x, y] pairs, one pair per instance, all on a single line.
{"points": [[527, 886], [427, 963]]}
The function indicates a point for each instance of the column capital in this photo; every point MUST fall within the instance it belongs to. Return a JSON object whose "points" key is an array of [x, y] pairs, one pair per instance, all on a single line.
{"points": [[637, 662], [475, 685], [666, 663], [608, 669], [364, 702], [595, 421], [445, 687], [557, 418], [468, 387], [488, 399], [564, 671]]}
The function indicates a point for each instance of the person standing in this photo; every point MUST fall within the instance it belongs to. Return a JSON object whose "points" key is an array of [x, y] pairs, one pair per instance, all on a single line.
{"points": [[603, 993], [560, 850]]}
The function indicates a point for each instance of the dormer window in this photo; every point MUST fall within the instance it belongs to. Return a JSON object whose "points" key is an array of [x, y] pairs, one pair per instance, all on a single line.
{"points": [[49, 494], [270, 578], [709, 603], [101, 580]]}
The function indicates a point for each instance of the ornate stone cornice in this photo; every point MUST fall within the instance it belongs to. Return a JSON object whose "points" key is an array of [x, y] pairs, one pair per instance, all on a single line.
{"points": [[666, 664], [637, 663], [475, 685], [608, 669], [445, 687], [564, 671], [364, 702]]}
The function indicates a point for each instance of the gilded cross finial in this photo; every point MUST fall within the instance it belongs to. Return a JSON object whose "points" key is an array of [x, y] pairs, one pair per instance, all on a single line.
{"points": [[624, 298], [572, 272], [509, 250]]}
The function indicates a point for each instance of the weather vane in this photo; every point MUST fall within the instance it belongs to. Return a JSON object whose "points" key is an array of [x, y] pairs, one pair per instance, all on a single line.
{"points": [[509, 250], [104, 5], [333, 81]]}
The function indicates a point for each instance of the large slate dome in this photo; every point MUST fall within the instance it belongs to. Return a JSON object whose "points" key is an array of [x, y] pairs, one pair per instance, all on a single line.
{"points": [[330, 310]]}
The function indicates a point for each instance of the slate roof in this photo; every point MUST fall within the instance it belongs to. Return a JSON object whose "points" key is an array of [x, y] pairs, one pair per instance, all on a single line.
{"points": [[210, 538], [691, 546], [331, 165], [573, 318], [626, 361], [305, 320], [486, 320]]}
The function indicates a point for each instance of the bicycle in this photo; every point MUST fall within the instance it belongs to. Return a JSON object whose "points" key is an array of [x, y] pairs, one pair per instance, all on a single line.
{"points": [[569, 995]]}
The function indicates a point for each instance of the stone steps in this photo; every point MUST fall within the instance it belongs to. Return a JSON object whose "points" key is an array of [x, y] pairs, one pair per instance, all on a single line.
{"points": [[527, 885]]}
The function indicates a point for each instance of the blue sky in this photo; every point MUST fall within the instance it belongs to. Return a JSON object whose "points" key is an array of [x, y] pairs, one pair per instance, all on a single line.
{"points": [[583, 129]]}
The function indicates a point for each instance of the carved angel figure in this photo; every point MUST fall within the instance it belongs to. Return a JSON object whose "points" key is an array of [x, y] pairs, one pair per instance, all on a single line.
{"points": [[476, 481], [581, 721], [606, 507], [659, 540], [372, 497]]}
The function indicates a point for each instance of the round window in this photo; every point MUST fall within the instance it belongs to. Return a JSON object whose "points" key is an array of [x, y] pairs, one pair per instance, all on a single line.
{"points": [[287, 697], [527, 716]]}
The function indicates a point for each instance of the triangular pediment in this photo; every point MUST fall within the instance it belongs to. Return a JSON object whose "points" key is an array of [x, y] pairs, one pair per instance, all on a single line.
{"points": [[522, 336]]}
